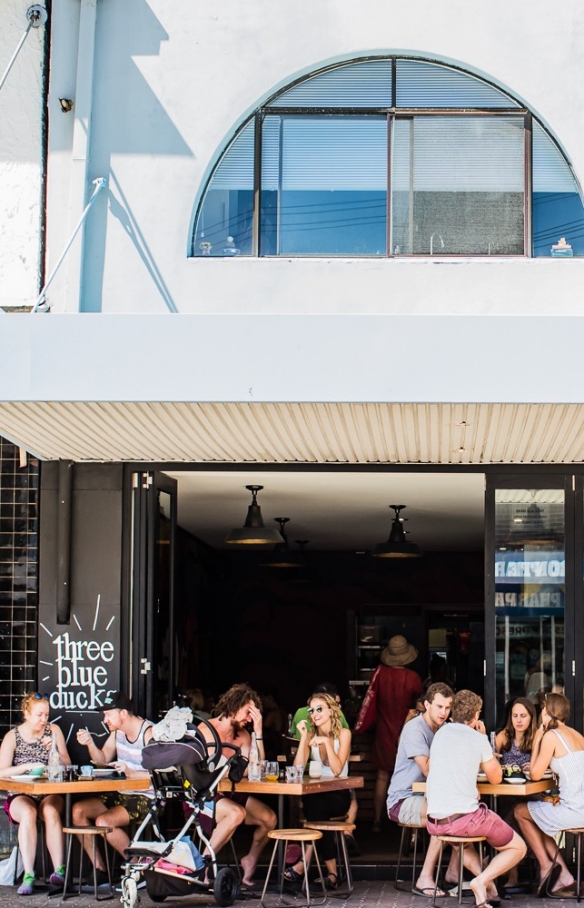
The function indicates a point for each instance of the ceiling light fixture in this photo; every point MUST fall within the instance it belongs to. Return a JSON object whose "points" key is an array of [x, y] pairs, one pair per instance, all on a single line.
{"points": [[397, 545], [253, 532], [283, 556]]}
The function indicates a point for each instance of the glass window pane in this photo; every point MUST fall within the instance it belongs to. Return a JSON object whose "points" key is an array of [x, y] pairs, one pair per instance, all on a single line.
{"points": [[530, 588], [356, 85], [557, 205], [421, 84], [458, 186], [324, 185], [224, 222]]}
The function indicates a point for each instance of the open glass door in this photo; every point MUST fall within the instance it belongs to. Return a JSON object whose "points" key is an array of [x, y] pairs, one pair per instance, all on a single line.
{"points": [[530, 590], [153, 556]]}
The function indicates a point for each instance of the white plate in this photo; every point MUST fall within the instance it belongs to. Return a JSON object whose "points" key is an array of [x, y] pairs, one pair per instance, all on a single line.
{"points": [[99, 773], [28, 777], [515, 781]]}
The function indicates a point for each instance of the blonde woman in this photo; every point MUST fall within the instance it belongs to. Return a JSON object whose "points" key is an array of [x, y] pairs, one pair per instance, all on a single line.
{"points": [[323, 738], [561, 749], [23, 749]]}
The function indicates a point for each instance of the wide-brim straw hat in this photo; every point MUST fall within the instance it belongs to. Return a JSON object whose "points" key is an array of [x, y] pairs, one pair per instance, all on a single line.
{"points": [[398, 652]]}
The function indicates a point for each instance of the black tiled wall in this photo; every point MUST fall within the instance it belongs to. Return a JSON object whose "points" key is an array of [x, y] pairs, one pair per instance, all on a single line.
{"points": [[19, 487]]}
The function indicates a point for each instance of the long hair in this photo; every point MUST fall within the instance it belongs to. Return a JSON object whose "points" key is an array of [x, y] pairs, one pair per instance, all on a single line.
{"points": [[527, 742], [335, 709], [235, 699], [558, 709]]}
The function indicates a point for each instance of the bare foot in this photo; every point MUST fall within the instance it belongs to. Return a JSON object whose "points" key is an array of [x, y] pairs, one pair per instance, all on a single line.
{"points": [[480, 890], [248, 865]]}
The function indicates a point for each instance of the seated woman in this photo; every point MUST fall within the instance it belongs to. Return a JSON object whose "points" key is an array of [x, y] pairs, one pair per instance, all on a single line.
{"points": [[325, 740], [560, 748], [23, 749], [513, 745]]}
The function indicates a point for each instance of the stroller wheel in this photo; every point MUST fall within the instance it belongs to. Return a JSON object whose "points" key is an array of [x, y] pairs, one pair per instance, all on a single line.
{"points": [[130, 897], [225, 887]]}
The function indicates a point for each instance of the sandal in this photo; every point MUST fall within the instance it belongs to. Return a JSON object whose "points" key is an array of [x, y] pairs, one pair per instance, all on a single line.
{"points": [[292, 876], [330, 881]]}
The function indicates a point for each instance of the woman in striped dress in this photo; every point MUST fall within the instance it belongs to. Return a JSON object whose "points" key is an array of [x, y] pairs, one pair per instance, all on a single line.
{"points": [[560, 748]]}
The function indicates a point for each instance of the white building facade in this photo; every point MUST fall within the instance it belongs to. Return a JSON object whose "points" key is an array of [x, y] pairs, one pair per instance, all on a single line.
{"points": [[154, 343]]}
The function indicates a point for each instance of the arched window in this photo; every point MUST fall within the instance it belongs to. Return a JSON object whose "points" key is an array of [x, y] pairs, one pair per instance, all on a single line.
{"points": [[391, 157]]}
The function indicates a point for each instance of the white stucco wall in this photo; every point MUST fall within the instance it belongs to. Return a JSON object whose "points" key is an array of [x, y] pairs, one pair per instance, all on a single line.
{"points": [[171, 80], [20, 156]]}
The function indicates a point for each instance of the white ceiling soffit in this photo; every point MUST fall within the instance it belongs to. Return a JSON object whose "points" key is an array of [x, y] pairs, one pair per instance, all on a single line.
{"points": [[298, 433]]}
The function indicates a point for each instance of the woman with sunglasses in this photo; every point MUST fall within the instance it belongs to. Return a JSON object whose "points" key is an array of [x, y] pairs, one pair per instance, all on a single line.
{"points": [[561, 749], [24, 749], [323, 737]]}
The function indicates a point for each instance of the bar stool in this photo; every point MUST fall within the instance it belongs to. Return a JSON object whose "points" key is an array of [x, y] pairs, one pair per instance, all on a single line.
{"points": [[406, 829], [578, 833], [339, 828], [302, 836], [462, 841], [94, 832]]}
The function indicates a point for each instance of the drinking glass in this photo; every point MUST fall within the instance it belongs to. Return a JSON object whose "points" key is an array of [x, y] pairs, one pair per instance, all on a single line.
{"points": [[272, 771], [291, 774]]}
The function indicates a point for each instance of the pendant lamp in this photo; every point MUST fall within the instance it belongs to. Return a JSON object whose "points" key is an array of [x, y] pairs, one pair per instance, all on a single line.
{"points": [[253, 532], [283, 556], [397, 545]]}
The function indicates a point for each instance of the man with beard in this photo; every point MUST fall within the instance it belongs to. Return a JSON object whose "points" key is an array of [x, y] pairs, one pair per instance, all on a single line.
{"points": [[123, 751], [236, 715], [411, 765]]}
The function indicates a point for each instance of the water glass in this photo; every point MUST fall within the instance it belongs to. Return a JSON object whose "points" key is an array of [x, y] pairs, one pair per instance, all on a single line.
{"points": [[299, 772], [272, 772], [87, 772], [263, 766], [291, 774]]}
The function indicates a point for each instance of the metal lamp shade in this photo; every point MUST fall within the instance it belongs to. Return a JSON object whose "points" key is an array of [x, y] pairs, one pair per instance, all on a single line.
{"points": [[397, 546], [253, 532]]}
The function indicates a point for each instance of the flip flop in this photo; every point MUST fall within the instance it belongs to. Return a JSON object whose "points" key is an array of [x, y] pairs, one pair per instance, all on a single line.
{"points": [[548, 882], [428, 892]]}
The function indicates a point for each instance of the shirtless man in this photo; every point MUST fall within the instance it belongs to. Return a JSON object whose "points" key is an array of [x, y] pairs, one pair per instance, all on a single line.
{"points": [[237, 713]]}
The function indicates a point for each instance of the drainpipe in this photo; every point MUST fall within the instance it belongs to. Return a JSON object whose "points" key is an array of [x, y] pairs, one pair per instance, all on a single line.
{"points": [[80, 177], [64, 500]]}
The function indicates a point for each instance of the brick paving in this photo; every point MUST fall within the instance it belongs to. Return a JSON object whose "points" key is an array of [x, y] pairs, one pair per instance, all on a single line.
{"points": [[367, 894]]}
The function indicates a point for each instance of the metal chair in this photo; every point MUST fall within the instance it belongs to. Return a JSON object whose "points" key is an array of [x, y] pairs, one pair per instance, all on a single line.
{"points": [[93, 831], [578, 833], [339, 828], [406, 833], [303, 837], [461, 841]]}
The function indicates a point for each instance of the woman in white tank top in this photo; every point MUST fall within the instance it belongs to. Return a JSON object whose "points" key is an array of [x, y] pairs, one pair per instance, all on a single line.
{"points": [[561, 749]]}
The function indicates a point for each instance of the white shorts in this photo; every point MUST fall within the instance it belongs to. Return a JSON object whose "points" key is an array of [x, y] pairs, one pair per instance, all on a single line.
{"points": [[410, 812]]}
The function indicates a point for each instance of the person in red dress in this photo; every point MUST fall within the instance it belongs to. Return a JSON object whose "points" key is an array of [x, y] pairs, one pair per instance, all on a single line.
{"points": [[389, 697]]}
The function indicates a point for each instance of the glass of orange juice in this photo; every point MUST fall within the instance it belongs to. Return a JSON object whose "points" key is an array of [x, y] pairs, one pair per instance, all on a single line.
{"points": [[272, 770]]}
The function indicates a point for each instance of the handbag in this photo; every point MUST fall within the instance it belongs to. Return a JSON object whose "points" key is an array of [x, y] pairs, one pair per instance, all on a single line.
{"points": [[11, 868], [368, 713]]}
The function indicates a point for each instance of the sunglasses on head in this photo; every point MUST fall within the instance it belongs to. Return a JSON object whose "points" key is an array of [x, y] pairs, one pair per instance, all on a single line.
{"points": [[314, 709], [41, 696]]}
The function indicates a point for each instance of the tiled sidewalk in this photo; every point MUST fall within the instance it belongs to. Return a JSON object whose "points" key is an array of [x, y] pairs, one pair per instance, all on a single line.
{"points": [[366, 895]]}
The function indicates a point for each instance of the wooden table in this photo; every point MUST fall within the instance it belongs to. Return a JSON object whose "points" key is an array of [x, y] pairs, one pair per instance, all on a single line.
{"points": [[79, 786], [504, 788], [308, 786]]}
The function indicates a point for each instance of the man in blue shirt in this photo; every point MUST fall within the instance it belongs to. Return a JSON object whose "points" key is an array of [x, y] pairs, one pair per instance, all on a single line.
{"points": [[412, 765]]}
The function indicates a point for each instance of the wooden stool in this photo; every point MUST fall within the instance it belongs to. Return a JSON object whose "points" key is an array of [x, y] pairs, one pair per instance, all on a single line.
{"points": [[403, 885], [94, 832], [461, 841], [578, 833], [339, 828], [302, 836]]}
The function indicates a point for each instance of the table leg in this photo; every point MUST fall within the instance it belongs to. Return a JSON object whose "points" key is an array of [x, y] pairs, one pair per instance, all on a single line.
{"points": [[281, 855]]}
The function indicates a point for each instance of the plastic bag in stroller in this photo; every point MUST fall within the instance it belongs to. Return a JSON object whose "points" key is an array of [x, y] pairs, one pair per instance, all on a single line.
{"points": [[188, 770]]}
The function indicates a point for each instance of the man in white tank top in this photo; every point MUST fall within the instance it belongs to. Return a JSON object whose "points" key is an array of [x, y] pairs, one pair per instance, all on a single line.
{"points": [[123, 752]]}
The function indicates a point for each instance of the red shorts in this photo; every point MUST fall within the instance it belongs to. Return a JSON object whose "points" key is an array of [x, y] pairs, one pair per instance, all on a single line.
{"points": [[482, 821]]}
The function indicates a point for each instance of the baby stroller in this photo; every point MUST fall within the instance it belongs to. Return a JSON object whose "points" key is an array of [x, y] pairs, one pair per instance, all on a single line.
{"points": [[188, 771]]}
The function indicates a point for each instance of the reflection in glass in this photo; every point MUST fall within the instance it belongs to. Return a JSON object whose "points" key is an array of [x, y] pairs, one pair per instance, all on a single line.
{"points": [[458, 186], [529, 594]]}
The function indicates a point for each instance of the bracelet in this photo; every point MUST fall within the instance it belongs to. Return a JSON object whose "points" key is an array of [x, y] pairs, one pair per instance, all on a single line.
{"points": [[259, 739]]}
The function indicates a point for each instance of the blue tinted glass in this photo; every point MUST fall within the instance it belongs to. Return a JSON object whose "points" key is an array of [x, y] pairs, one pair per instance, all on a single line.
{"points": [[558, 213], [224, 223], [324, 186], [356, 85]]}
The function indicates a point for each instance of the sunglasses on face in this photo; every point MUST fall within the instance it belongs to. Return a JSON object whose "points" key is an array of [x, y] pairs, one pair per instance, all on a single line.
{"points": [[314, 709]]}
